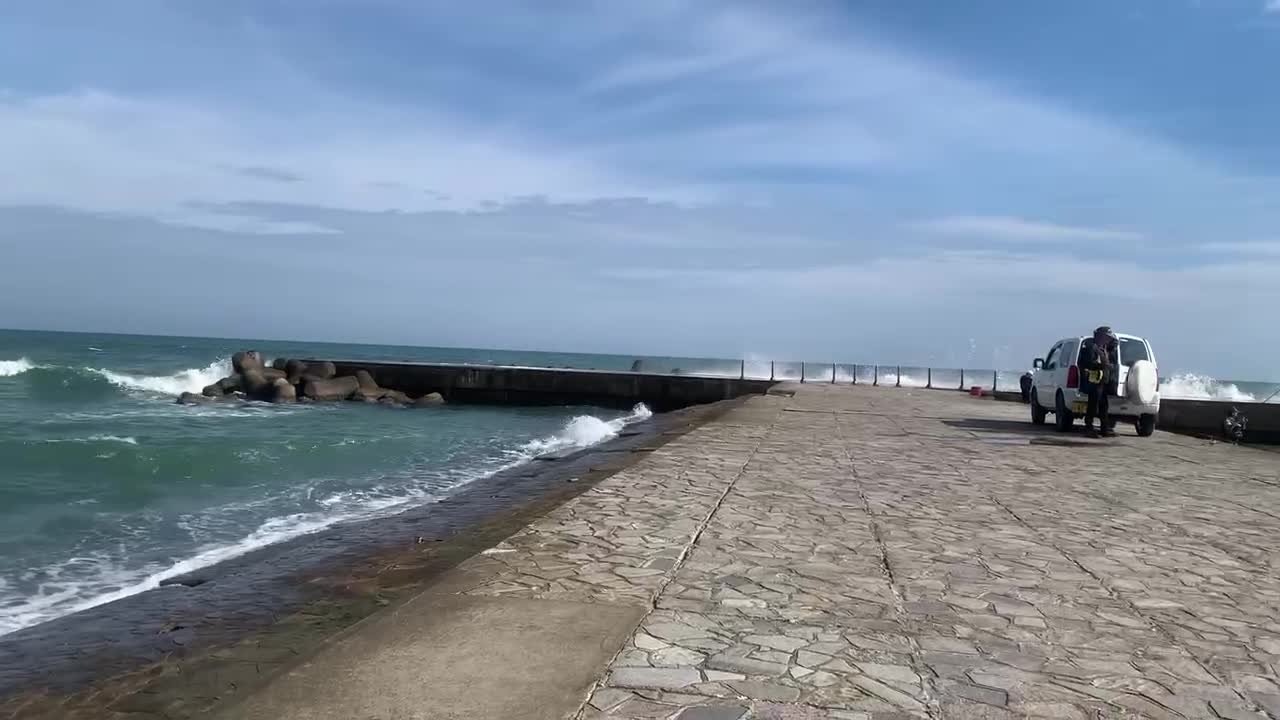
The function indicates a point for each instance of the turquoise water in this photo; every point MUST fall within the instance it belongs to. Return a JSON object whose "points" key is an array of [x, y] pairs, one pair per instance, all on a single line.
{"points": [[108, 486]]}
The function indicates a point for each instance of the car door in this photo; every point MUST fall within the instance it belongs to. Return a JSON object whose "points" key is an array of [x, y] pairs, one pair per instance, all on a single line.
{"points": [[1047, 382]]}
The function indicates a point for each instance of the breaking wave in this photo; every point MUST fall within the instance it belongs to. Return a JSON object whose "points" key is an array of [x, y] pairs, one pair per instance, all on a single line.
{"points": [[189, 380], [1190, 386], [10, 368], [584, 431]]}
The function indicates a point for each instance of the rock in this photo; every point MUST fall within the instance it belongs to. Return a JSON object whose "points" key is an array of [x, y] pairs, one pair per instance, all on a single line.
{"points": [[214, 390], [283, 392], [429, 400], [395, 396], [331, 389], [389, 401], [361, 396], [256, 385], [274, 374], [281, 363], [190, 398], [367, 383], [295, 368], [246, 360], [320, 371], [231, 383]]}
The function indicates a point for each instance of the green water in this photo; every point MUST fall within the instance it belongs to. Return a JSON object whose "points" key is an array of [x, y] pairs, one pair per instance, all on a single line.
{"points": [[108, 487]]}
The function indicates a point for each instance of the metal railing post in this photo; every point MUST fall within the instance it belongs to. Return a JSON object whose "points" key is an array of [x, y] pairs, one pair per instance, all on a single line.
{"points": [[899, 382], [961, 378], [833, 373], [855, 374], [770, 370], [802, 373], [743, 374], [875, 376], [929, 385], [995, 380]]}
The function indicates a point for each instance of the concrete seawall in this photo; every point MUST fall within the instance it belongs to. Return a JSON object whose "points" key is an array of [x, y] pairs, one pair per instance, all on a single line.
{"points": [[1204, 417], [554, 386]]}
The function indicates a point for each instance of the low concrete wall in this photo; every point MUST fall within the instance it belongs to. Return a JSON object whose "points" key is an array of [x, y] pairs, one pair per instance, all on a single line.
{"points": [[547, 386], [1204, 417]]}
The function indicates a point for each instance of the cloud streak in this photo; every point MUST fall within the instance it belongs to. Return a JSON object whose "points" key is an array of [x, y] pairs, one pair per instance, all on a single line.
{"points": [[1008, 228]]}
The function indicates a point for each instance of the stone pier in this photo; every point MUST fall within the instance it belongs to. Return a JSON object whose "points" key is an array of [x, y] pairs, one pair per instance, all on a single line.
{"points": [[850, 553]]}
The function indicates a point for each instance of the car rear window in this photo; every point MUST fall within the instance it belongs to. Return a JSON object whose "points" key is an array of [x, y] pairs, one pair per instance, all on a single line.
{"points": [[1132, 350]]}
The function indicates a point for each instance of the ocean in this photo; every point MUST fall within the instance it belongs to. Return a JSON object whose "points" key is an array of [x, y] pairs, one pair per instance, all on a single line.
{"points": [[108, 487]]}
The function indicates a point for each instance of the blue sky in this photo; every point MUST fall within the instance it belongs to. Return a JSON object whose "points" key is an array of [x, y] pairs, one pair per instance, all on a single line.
{"points": [[888, 181]]}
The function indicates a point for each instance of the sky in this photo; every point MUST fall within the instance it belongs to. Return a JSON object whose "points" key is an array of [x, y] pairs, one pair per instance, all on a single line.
{"points": [[885, 181]]}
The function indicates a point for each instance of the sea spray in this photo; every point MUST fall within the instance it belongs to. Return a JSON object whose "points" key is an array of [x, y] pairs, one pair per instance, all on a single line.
{"points": [[12, 368], [189, 380], [1189, 386], [583, 431]]}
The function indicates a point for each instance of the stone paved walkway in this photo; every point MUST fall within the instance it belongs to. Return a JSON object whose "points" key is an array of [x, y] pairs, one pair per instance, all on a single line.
{"points": [[855, 552]]}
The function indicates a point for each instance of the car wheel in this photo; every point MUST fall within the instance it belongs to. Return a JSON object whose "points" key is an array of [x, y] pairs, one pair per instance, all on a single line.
{"points": [[1038, 412], [1146, 425], [1062, 417]]}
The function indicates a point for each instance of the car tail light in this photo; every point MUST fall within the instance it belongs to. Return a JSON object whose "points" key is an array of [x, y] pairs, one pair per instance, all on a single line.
{"points": [[1073, 376]]}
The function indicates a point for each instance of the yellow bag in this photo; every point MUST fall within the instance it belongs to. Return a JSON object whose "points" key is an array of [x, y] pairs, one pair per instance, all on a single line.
{"points": [[1095, 376]]}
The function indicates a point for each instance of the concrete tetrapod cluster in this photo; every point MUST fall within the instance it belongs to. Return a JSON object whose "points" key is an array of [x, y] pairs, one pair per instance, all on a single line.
{"points": [[287, 381]]}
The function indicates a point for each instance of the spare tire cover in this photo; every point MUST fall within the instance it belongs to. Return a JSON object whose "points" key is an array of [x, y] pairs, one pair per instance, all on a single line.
{"points": [[1142, 383]]}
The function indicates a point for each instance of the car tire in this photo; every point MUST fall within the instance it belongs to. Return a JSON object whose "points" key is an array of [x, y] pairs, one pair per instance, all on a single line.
{"points": [[1146, 425], [1038, 411], [1062, 417]]}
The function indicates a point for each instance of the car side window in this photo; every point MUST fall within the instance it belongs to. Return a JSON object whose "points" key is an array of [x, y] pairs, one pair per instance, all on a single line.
{"points": [[1051, 360]]}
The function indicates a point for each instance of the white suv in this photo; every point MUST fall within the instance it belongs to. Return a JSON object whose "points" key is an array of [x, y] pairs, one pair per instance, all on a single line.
{"points": [[1055, 385]]}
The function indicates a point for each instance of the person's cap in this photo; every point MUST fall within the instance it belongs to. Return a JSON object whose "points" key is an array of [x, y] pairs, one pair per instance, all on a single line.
{"points": [[1104, 330]]}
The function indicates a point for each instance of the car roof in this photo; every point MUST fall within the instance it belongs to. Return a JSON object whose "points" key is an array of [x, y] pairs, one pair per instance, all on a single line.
{"points": [[1122, 336]]}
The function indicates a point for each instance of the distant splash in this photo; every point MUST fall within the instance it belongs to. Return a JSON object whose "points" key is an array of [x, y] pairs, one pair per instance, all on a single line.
{"points": [[189, 380], [11, 368], [1189, 386]]}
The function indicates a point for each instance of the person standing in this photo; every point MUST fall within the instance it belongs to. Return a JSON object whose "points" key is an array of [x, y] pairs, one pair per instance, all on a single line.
{"points": [[1099, 379]]}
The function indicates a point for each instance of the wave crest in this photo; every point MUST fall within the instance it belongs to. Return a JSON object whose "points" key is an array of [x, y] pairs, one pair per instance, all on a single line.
{"points": [[10, 368], [189, 380], [584, 431]]}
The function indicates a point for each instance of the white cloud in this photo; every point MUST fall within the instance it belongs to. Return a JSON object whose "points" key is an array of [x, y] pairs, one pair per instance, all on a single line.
{"points": [[166, 158], [1261, 247], [1008, 228]]}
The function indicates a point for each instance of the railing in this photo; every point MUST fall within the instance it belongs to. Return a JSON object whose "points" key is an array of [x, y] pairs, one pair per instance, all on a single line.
{"points": [[891, 375]]}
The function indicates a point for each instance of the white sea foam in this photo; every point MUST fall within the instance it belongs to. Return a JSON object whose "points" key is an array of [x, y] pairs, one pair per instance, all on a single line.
{"points": [[1189, 386], [190, 380], [584, 431], [97, 439], [10, 368]]}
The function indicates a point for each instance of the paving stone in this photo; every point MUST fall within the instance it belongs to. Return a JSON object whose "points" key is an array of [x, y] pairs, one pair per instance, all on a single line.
{"points": [[765, 691], [605, 698], [658, 678], [675, 657], [714, 712], [730, 663]]}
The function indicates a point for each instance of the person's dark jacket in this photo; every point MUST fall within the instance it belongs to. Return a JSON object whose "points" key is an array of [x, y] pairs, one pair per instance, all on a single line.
{"points": [[1105, 358]]}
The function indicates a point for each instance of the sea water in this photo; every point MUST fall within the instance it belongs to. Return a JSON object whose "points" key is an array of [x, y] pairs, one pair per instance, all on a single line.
{"points": [[108, 487]]}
